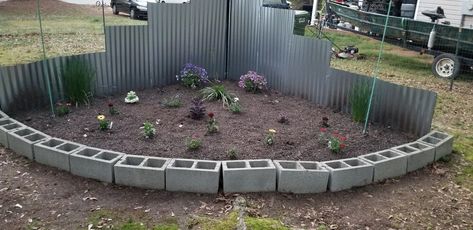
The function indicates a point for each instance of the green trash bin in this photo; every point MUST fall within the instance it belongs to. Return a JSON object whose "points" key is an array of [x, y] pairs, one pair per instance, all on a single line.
{"points": [[301, 20]]}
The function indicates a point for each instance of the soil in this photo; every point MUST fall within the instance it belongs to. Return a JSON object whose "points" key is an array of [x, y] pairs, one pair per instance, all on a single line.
{"points": [[245, 132]]}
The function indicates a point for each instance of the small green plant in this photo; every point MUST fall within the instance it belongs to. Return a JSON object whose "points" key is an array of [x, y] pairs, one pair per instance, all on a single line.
{"points": [[193, 143], [232, 154], [359, 101], [197, 110], [131, 98], [269, 139], [235, 106], [217, 92], [148, 130], [212, 125], [112, 110], [78, 78], [173, 102], [104, 124], [334, 141], [62, 109]]}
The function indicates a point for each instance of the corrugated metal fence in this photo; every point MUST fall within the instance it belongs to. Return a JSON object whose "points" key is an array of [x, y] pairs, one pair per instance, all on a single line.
{"points": [[261, 39]]}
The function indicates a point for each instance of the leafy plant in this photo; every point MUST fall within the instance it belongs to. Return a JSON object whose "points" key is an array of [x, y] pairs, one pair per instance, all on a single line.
{"points": [[252, 82], [104, 124], [193, 143], [62, 109], [217, 92], [269, 139], [112, 110], [359, 101], [173, 102], [197, 109], [334, 141], [131, 97], [235, 107], [78, 78], [193, 76], [212, 125], [232, 154], [148, 130]]}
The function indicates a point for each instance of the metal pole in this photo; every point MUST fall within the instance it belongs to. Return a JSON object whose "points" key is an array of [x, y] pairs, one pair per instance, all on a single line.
{"points": [[314, 12], [48, 82], [103, 16]]}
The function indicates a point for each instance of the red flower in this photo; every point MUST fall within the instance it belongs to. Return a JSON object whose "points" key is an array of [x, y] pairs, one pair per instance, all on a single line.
{"points": [[110, 104], [211, 115], [323, 130], [342, 146], [343, 138]]}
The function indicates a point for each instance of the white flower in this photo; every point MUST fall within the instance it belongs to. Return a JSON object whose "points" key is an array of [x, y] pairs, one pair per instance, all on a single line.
{"points": [[236, 99], [330, 144], [85, 135], [180, 126], [158, 121]]}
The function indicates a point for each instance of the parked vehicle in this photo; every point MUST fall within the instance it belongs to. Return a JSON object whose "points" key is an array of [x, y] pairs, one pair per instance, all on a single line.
{"points": [[282, 4], [137, 8]]}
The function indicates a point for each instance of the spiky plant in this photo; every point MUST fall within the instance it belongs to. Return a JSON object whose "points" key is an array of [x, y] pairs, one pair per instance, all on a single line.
{"points": [[197, 109]]}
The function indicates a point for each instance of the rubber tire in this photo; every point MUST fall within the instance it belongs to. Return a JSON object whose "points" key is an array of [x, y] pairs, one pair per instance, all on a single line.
{"points": [[456, 65], [115, 10], [133, 14]]}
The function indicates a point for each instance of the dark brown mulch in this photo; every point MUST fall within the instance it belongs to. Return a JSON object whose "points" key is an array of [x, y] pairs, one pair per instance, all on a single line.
{"points": [[245, 132]]}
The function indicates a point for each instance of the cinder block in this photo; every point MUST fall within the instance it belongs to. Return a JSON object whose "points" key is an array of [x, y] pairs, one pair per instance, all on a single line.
{"points": [[442, 142], [348, 173], [418, 154], [94, 163], [249, 176], [55, 152], [387, 164], [141, 171], [301, 176], [8, 125], [3, 115], [22, 140], [200, 176]]}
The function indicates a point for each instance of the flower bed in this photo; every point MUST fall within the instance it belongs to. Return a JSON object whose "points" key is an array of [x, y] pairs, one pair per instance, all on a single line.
{"points": [[297, 124]]}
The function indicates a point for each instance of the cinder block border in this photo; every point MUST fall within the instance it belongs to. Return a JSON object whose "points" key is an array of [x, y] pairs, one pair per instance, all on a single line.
{"points": [[141, 171], [203, 176]]}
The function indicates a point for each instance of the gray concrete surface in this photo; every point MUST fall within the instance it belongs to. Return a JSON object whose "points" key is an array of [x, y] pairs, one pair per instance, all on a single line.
{"points": [[387, 164], [141, 171], [301, 176], [199, 176], [442, 142], [55, 152], [22, 140], [94, 163], [8, 125], [348, 173], [249, 176], [418, 155]]}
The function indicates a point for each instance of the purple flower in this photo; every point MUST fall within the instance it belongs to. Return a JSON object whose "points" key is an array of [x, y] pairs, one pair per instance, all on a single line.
{"points": [[252, 82]]}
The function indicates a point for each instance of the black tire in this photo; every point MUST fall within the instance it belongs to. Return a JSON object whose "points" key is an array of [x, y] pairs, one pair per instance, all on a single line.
{"points": [[446, 66], [115, 10], [133, 14]]}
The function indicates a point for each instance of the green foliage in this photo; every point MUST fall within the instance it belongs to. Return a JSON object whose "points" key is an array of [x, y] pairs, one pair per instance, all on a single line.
{"points": [[197, 109], [359, 101], [148, 130], [131, 225], [232, 154], [217, 92], [212, 126], [104, 124], [173, 102], [193, 144], [166, 227], [63, 109], [78, 78], [235, 107], [264, 224], [269, 139]]}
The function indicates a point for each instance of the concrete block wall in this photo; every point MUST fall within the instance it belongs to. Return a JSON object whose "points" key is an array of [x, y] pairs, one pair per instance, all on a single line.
{"points": [[8, 125], [202, 176], [301, 177], [22, 140], [3, 115], [249, 176], [141, 171], [442, 143], [199, 176], [94, 163], [55, 152]]}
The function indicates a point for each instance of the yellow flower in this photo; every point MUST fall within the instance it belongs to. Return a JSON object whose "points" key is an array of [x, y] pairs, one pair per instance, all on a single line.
{"points": [[272, 130], [100, 117]]}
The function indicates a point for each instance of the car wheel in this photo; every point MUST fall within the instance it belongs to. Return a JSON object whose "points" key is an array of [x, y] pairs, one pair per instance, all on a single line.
{"points": [[133, 14], [115, 10], [446, 66]]}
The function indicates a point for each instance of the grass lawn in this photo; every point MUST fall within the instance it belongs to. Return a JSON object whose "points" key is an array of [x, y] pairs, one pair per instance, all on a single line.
{"points": [[454, 109]]}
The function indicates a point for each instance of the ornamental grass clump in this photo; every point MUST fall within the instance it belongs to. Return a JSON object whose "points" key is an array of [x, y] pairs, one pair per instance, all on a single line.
{"points": [[217, 92], [252, 82], [148, 130], [78, 76], [359, 101], [193, 76]]}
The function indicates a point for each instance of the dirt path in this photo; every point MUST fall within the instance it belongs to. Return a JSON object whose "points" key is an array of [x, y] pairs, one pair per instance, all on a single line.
{"points": [[39, 197]]}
